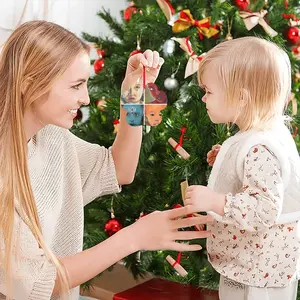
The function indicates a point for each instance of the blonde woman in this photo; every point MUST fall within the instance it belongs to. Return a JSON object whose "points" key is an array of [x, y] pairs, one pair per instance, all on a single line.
{"points": [[253, 190], [48, 174]]}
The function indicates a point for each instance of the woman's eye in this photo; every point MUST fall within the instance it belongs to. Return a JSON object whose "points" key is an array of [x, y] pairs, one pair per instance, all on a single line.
{"points": [[77, 86]]}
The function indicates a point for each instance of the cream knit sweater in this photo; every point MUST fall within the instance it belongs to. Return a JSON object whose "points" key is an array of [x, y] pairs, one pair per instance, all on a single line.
{"points": [[66, 173]]}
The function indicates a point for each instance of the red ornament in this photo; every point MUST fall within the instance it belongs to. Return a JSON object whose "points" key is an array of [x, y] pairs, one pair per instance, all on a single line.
{"points": [[242, 4], [177, 206], [98, 65], [79, 115], [112, 226], [101, 52], [293, 35], [129, 11], [136, 51]]}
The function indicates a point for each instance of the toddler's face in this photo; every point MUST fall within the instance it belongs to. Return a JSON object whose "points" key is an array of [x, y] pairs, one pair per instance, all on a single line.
{"points": [[215, 98]]}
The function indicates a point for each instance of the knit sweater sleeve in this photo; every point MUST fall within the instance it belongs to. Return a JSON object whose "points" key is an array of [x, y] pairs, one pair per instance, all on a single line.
{"points": [[260, 203], [33, 275], [97, 169]]}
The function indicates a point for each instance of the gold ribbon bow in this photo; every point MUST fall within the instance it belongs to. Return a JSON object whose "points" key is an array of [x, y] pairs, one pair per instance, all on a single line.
{"points": [[185, 20]]}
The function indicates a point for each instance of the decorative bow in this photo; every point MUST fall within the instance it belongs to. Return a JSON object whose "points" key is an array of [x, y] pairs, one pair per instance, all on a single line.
{"points": [[251, 19], [186, 20], [166, 8], [193, 62]]}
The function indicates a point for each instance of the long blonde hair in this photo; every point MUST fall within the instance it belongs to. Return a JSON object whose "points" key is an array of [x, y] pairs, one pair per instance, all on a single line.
{"points": [[256, 76], [36, 54]]}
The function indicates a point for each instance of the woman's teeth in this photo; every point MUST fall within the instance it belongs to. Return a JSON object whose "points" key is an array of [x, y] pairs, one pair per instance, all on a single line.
{"points": [[72, 111]]}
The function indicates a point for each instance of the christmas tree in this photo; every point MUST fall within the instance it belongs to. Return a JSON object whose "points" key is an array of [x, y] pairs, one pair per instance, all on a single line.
{"points": [[198, 26]]}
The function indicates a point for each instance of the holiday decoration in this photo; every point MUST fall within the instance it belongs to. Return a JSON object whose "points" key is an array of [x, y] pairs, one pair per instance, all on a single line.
{"points": [[112, 226], [242, 4], [171, 83], [293, 35], [143, 103], [101, 52], [101, 104], [178, 146], [251, 19], [296, 51], [168, 47], [138, 47], [116, 124], [228, 35], [186, 20], [184, 185], [193, 62], [167, 9], [176, 265], [98, 65], [129, 11]]}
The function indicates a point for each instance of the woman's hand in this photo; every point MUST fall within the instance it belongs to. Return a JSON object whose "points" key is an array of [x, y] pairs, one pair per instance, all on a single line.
{"points": [[159, 230], [150, 59]]}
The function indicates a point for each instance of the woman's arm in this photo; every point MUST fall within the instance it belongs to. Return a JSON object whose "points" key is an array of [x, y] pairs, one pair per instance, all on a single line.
{"points": [[155, 231], [127, 145]]}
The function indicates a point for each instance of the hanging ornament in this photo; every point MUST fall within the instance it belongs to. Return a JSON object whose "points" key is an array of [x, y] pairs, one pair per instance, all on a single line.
{"points": [[286, 4], [113, 225], [296, 51], [251, 19], [228, 35], [101, 52], [228, 130], [193, 62], [293, 35], [129, 11], [242, 4], [98, 65], [101, 104], [178, 146], [171, 83], [176, 264], [168, 47], [116, 124], [138, 46], [293, 21]]}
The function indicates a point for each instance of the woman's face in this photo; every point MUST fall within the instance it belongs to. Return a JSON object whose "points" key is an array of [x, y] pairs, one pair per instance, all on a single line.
{"points": [[60, 105]]}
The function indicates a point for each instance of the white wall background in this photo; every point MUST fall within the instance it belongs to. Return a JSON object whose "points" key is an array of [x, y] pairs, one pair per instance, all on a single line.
{"points": [[75, 15]]}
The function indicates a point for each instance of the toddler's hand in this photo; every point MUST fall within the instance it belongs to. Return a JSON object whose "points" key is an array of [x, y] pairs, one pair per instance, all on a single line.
{"points": [[212, 154], [204, 199]]}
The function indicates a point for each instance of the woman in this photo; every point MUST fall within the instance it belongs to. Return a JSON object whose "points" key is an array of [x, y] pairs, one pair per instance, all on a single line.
{"points": [[48, 174]]}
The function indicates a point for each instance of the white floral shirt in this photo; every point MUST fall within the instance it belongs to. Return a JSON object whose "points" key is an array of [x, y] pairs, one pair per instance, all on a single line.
{"points": [[247, 246]]}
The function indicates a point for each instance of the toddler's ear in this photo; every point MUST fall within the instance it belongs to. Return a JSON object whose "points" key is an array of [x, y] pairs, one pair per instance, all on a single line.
{"points": [[245, 98]]}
